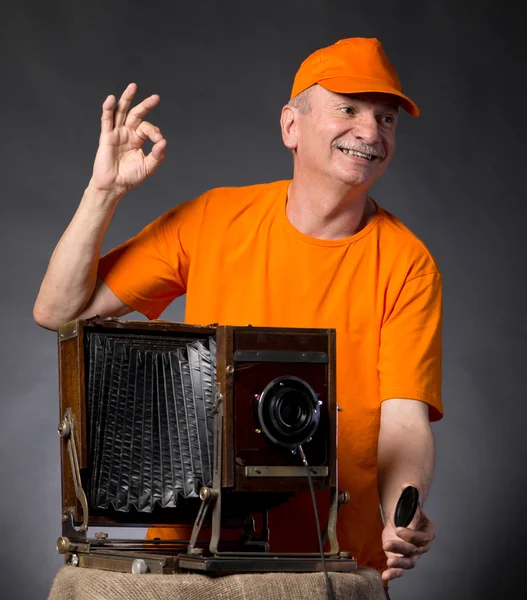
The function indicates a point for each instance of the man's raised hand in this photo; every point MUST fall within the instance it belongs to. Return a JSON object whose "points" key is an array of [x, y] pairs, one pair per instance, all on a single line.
{"points": [[120, 164]]}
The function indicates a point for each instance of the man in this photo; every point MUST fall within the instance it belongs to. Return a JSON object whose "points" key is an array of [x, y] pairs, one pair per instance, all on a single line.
{"points": [[315, 251]]}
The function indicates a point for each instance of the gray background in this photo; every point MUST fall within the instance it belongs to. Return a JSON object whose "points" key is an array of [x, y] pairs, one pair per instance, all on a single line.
{"points": [[223, 70]]}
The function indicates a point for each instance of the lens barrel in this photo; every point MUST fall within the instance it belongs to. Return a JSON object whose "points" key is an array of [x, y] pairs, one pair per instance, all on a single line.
{"points": [[288, 411]]}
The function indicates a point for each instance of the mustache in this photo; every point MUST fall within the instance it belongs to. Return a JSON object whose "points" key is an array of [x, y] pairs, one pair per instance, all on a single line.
{"points": [[358, 147]]}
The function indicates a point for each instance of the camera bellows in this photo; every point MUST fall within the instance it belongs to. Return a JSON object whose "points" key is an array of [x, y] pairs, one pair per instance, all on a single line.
{"points": [[149, 405]]}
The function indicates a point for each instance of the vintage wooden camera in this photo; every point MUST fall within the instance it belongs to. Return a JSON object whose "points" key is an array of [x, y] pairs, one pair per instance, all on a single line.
{"points": [[166, 424]]}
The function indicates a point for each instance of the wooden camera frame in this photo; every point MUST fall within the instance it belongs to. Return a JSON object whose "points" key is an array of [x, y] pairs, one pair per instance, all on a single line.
{"points": [[249, 471]]}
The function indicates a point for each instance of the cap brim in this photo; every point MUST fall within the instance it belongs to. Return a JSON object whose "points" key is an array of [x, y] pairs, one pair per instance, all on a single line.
{"points": [[356, 85]]}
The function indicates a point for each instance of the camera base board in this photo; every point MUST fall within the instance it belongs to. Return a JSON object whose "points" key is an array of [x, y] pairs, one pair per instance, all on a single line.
{"points": [[141, 562]]}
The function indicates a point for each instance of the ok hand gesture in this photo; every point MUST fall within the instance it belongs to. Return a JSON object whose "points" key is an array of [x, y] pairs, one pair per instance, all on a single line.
{"points": [[120, 164]]}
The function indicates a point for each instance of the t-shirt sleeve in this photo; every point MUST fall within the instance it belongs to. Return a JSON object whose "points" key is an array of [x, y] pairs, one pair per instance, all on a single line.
{"points": [[410, 349], [151, 269]]}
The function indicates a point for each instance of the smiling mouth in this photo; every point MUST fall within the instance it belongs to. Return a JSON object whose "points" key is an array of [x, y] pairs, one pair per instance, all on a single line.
{"points": [[358, 154]]}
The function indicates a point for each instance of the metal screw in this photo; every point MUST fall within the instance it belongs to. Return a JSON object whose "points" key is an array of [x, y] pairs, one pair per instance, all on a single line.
{"points": [[63, 428], [229, 369], [74, 560], [258, 471]]}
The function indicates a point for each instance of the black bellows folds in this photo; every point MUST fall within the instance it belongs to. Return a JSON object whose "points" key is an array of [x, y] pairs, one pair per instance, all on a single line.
{"points": [[149, 404]]}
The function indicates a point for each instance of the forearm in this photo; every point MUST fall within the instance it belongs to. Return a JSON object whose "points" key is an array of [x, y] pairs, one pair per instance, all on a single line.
{"points": [[72, 271], [406, 454]]}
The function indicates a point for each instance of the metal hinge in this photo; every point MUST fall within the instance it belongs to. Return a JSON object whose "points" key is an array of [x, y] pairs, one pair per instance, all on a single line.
{"points": [[66, 430]]}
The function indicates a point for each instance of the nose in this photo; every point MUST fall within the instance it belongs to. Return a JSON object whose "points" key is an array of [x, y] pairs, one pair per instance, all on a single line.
{"points": [[366, 128]]}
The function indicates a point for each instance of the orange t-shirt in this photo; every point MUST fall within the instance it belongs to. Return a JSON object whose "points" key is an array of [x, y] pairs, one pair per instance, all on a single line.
{"points": [[240, 261]]}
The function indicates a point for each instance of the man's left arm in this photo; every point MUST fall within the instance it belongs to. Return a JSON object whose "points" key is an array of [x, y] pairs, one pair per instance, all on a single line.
{"points": [[406, 456]]}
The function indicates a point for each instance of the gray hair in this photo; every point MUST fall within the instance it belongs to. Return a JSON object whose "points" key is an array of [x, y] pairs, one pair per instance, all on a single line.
{"points": [[302, 101]]}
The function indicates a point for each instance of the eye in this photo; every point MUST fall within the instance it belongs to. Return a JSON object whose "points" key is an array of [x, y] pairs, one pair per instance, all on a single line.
{"points": [[388, 119], [348, 110]]}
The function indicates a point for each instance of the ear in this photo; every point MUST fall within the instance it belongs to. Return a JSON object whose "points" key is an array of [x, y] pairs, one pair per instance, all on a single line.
{"points": [[288, 124]]}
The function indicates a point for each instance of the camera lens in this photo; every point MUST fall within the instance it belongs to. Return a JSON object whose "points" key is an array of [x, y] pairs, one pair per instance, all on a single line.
{"points": [[288, 411], [289, 408]]}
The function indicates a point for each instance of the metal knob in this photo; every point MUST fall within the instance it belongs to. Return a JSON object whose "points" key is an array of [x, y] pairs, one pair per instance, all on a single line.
{"points": [[139, 567], [63, 545], [205, 493], [344, 497]]}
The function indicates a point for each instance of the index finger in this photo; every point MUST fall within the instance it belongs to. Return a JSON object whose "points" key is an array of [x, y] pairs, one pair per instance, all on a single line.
{"points": [[139, 112]]}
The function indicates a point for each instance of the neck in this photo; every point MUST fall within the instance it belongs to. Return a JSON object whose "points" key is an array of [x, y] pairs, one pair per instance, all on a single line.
{"points": [[327, 212]]}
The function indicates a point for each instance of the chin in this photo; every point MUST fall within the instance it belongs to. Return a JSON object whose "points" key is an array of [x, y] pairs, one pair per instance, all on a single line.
{"points": [[356, 179], [360, 178]]}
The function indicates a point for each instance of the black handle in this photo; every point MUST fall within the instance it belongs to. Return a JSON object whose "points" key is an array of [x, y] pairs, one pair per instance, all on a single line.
{"points": [[406, 506]]}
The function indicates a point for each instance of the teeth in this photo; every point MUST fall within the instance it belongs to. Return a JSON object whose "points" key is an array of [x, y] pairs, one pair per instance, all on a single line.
{"points": [[356, 153]]}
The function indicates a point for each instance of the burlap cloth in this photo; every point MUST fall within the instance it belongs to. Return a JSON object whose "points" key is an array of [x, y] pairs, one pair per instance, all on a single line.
{"points": [[76, 583]]}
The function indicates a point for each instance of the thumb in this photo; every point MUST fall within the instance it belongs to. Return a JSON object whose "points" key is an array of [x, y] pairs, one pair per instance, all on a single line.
{"points": [[156, 156]]}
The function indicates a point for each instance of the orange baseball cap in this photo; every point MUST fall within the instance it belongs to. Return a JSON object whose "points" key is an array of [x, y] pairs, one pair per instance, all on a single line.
{"points": [[352, 66]]}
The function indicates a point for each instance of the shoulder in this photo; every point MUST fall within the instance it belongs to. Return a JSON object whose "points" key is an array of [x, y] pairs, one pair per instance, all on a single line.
{"points": [[401, 246], [239, 195]]}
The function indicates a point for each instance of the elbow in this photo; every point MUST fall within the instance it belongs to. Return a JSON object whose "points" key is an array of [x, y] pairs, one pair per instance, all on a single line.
{"points": [[43, 319]]}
